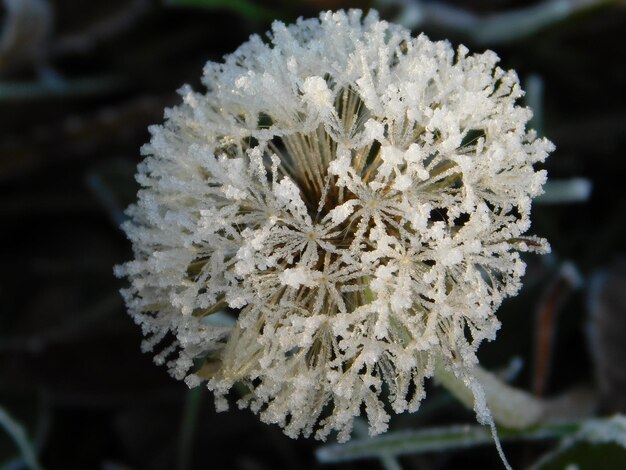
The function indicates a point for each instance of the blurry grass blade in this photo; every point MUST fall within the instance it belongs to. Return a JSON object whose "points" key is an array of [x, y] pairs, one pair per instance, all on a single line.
{"points": [[604, 431], [44, 89], [496, 28], [594, 431], [534, 99], [435, 440], [25, 33], [388, 462], [526, 22], [244, 8], [17, 433], [509, 406], [565, 191]]}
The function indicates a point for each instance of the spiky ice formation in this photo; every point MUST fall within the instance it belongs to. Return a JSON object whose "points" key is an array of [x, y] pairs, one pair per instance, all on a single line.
{"points": [[355, 198]]}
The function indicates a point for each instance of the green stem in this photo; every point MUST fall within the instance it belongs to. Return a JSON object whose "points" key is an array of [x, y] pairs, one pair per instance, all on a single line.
{"points": [[188, 427]]}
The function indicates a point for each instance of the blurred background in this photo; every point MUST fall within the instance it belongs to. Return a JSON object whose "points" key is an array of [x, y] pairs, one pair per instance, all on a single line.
{"points": [[80, 82]]}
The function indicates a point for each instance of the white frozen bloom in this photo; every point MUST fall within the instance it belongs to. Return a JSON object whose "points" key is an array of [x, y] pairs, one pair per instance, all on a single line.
{"points": [[356, 198]]}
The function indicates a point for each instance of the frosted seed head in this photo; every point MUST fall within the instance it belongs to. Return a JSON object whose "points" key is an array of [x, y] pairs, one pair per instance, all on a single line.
{"points": [[355, 199]]}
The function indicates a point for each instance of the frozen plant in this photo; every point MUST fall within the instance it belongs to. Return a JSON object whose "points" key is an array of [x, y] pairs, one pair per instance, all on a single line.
{"points": [[356, 198]]}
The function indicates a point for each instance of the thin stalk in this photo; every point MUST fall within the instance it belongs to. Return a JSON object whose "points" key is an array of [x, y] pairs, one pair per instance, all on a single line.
{"points": [[188, 427]]}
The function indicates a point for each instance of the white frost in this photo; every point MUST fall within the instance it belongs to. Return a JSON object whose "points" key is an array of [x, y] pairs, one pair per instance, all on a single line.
{"points": [[356, 196]]}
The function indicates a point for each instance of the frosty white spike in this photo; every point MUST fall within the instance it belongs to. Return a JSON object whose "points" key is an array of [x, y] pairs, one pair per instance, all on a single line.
{"points": [[356, 198]]}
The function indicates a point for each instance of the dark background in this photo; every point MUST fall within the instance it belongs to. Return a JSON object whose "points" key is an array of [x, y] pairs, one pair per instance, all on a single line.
{"points": [[78, 88]]}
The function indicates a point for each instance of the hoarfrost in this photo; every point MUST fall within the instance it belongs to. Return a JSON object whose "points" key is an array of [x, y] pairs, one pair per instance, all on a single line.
{"points": [[358, 210]]}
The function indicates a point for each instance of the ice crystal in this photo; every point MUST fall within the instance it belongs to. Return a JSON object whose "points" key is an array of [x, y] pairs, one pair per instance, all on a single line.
{"points": [[356, 198]]}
